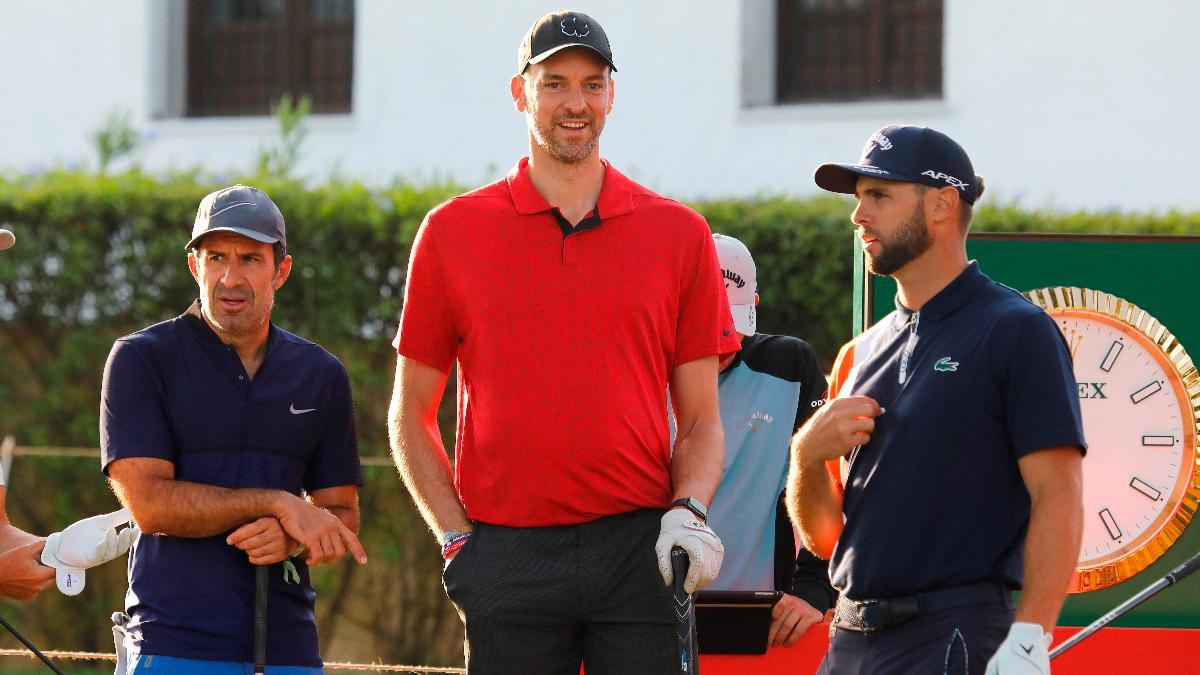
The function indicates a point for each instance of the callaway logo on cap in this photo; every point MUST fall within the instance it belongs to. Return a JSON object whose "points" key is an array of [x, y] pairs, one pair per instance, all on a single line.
{"points": [[555, 32], [907, 154], [741, 281]]}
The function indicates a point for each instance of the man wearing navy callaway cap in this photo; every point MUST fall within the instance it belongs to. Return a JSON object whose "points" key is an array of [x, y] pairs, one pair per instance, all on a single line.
{"points": [[212, 425], [566, 496], [945, 471]]}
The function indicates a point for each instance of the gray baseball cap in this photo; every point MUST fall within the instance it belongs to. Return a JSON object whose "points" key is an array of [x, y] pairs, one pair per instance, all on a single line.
{"points": [[240, 209]]}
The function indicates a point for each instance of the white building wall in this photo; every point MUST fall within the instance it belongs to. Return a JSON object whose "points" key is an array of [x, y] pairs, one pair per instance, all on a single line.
{"points": [[1060, 103]]}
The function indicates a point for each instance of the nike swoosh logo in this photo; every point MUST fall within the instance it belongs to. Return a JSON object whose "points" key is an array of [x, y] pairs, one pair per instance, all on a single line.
{"points": [[726, 332], [292, 409]]}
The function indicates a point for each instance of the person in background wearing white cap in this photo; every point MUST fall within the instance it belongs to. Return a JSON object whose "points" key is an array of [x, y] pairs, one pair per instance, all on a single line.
{"points": [[566, 497], [22, 575], [766, 391], [945, 471], [212, 426]]}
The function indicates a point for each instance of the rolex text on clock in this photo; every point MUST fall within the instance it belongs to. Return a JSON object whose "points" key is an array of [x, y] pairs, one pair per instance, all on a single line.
{"points": [[1139, 393]]}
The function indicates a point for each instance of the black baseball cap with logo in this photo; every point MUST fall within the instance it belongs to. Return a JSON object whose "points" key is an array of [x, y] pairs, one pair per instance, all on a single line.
{"points": [[555, 32], [240, 209], [908, 154]]}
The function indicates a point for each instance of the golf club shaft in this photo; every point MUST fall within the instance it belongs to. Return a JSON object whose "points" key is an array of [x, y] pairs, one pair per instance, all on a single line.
{"points": [[1189, 566], [29, 645], [260, 619]]}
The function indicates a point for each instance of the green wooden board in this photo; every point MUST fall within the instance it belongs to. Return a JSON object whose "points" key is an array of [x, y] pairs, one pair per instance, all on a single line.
{"points": [[1156, 273]]}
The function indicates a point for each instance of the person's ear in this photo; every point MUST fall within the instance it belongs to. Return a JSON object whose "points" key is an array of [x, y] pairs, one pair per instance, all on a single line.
{"points": [[281, 274], [516, 88]]}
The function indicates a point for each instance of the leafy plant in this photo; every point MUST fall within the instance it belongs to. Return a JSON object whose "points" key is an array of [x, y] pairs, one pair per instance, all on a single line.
{"points": [[280, 159], [116, 138]]}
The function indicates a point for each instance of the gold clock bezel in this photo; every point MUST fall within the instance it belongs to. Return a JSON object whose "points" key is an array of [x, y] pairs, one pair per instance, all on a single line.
{"points": [[1140, 555]]}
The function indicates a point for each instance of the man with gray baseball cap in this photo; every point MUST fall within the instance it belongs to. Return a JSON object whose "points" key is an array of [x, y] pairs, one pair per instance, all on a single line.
{"points": [[945, 470], [212, 427]]}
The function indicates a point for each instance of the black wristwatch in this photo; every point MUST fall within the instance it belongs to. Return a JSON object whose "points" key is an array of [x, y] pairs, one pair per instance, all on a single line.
{"points": [[694, 505]]}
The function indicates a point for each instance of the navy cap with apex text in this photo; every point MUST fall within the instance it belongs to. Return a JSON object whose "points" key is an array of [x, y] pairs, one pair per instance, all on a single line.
{"points": [[240, 209], [908, 154], [557, 31]]}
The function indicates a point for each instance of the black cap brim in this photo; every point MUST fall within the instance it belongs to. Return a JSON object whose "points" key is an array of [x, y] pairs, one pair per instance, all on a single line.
{"points": [[249, 234], [551, 52], [843, 178]]}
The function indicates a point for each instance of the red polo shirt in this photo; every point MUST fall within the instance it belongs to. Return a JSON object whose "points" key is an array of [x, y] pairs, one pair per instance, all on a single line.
{"points": [[565, 338]]}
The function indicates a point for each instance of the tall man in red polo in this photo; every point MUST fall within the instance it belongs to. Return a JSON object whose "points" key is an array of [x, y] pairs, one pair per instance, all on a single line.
{"points": [[570, 298]]}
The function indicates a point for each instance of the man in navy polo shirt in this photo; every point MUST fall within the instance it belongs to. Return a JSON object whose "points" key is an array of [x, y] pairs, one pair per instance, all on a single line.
{"points": [[945, 472], [770, 387], [212, 427]]}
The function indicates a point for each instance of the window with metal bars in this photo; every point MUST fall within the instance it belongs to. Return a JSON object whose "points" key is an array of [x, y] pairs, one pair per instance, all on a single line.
{"points": [[853, 50], [244, 54]]}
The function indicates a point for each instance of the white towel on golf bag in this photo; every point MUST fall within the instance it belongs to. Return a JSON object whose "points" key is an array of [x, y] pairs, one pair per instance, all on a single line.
{"points": [[87, 543]]}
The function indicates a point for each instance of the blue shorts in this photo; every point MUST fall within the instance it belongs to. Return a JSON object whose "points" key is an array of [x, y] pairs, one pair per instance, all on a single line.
{"points": [[150, 663]]}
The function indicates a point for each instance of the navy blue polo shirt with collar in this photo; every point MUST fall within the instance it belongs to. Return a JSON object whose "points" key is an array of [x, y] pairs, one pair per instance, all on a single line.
{"points": [[975, 380], [175, 392]]}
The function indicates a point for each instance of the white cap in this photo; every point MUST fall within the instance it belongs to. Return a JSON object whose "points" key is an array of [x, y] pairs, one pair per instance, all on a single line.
{"points": [[741, 281]]}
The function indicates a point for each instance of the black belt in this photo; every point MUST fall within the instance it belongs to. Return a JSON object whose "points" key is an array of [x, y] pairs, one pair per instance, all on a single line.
{"points": [[875, 614]]}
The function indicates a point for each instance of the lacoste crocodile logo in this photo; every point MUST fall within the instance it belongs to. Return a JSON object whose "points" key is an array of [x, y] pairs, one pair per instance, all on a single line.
{"points": [[945, 365]]}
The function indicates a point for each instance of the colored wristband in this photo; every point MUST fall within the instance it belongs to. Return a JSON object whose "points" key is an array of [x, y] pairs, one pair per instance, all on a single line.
{"points": [[454, 540]]}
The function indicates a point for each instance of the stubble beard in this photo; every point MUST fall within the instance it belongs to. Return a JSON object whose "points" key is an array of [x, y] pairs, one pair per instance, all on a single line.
{"points": [[567, 153], [906, 245], [243, 324]]}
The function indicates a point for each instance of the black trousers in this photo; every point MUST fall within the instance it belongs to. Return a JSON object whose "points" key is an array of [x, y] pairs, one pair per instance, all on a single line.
{"points": [[545, 600], [956, 641]]}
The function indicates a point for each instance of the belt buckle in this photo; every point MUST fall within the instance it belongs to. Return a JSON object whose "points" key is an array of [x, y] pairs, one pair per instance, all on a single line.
{"points": [[861, 607]]}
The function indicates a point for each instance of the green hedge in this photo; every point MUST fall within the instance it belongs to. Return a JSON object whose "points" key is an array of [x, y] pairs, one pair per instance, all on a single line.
{"points": [[101, 256]]}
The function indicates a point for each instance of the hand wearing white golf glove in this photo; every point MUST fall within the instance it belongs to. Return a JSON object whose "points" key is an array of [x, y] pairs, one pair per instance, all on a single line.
{"points": [[1023, 652], [681, 527], [87, 543]]}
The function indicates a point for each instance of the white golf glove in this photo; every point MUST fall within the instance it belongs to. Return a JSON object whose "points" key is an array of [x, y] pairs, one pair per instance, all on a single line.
{"points": [[681, 528], [1023, 652], [87, 543]]}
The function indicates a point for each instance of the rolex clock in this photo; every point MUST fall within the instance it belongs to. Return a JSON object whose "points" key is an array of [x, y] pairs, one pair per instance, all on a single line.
{"points": [[1139, 393]]}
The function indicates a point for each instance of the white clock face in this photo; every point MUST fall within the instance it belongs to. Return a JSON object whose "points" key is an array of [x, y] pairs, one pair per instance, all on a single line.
{"points": [[1138, 422]]}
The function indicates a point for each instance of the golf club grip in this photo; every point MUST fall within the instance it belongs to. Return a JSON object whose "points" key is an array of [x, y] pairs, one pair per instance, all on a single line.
{"points": [[260, 619], [1190, 565], [685, 613]]}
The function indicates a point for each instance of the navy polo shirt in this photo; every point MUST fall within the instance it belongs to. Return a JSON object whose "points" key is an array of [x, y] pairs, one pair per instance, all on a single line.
{"points": [[975, 380], [174, 391]]}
